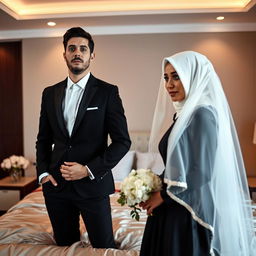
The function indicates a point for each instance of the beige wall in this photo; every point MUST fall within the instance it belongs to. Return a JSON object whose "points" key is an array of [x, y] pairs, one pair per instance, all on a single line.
{"points": [[133, 62]]}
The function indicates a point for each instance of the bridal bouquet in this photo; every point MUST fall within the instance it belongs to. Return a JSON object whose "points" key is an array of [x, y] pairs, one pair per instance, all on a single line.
{"points": [[137, 187]]}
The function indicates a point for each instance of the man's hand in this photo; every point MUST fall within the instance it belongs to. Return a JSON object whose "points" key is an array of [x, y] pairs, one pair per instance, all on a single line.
{"points": [[49, 178], [154, 201], [73, 171]]}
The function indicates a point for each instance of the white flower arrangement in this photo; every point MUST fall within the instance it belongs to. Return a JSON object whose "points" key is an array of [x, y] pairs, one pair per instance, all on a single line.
{"points": [[14, 162], [137, 187]]}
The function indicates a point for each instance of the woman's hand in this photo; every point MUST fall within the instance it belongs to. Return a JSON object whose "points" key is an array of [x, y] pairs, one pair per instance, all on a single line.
{"points": [[154, 201]]}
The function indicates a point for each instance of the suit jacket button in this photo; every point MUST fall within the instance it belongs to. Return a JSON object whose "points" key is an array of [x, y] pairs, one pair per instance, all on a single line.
{"points": [[70, 146]]}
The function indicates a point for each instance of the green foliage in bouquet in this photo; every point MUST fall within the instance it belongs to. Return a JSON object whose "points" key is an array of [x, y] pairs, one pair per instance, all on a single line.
{"points": [[122, 200], [136, 188]]}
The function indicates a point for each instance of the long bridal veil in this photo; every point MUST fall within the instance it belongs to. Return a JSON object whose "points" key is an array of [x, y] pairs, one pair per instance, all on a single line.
{"points": [[231, 221]]}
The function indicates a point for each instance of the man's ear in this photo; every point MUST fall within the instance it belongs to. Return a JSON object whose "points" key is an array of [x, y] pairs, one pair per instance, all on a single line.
{"points": [[92, 56], [64, 56]]}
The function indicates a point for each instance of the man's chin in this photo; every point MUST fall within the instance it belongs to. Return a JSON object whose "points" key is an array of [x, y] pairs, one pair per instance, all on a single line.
{"points": [[77, 71]]}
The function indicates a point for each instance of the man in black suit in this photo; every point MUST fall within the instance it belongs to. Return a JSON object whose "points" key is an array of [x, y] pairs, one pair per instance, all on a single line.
{"points": [[74, 161]]}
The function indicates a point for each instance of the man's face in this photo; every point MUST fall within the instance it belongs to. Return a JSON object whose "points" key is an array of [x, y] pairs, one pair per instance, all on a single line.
{"points": [[77, 55]]}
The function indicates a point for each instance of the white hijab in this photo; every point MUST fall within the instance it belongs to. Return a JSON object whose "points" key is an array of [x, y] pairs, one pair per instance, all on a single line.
{"points": [[231, 218]]}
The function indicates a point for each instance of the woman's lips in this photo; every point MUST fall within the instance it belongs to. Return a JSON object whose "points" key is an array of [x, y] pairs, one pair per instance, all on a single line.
{"points": [[173, 93]]}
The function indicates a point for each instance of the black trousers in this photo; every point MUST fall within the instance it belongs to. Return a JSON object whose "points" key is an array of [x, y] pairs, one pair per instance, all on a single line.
{"points": [[64, 208]]}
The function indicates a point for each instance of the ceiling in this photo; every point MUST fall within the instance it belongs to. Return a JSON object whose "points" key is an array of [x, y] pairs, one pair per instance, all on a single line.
{"points": [[28, 18]]}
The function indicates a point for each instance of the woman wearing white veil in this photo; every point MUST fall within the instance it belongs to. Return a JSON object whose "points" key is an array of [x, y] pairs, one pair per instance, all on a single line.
{"points": [[204, 207]]}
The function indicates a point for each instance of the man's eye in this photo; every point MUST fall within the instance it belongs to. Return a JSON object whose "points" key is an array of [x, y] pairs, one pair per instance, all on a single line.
{"points": [[71, 48], [83, 49]]}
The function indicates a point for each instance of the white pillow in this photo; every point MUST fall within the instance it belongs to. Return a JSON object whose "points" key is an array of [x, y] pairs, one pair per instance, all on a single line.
{"points": [[124, 167], [151, 161]]}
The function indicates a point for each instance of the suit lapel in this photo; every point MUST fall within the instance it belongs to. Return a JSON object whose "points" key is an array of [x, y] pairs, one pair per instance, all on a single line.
{"points": [[59, 95], [89, 92]]}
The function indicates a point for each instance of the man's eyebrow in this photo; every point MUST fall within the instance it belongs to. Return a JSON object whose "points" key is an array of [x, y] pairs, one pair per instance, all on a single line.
{"points": [[82, 45]]}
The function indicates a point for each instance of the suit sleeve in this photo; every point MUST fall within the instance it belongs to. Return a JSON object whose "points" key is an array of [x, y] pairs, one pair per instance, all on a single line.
{"points": [[116, 126], [44, 139]]}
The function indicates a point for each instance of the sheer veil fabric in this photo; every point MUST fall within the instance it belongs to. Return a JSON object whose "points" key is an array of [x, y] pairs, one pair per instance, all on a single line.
{"points": [[216, 194]]}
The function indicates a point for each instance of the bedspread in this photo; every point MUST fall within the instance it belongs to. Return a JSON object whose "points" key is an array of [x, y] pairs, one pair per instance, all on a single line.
{"points": [[26, 230]]}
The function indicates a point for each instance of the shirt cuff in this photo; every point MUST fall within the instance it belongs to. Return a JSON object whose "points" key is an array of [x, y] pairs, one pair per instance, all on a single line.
{"points": [[42, 176], [91, 176]]}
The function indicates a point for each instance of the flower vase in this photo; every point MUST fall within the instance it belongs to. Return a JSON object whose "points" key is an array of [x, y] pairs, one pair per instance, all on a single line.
{"points": [[16, 174]]}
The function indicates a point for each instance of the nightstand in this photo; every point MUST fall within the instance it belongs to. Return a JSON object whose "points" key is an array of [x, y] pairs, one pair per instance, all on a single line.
{"points": [[11, 192], [252, 186]]}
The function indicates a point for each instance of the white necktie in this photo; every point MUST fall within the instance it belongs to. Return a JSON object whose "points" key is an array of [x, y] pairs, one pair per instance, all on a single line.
{"points": [[71, 106]]}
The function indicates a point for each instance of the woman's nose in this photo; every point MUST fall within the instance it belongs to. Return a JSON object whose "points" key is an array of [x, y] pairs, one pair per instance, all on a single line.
{"points": [[170, 84]]}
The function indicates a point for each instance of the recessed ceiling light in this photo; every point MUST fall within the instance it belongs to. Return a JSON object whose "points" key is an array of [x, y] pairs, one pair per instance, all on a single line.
{"points": [[220, 18], [51, 23]]}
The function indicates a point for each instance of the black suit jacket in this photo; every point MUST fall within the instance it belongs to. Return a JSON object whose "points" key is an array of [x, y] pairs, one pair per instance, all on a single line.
{"points": [[87, 144]]}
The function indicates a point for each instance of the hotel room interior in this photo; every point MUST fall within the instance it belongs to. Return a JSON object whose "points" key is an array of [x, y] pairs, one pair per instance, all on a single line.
{"points": [[131, 39]]}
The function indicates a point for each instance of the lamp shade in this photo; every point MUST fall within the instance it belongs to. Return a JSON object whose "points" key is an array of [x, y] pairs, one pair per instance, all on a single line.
{"points": [[254, 134]]}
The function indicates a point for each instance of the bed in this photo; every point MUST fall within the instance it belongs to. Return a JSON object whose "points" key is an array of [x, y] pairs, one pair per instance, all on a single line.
{"points": [[25, 230]]}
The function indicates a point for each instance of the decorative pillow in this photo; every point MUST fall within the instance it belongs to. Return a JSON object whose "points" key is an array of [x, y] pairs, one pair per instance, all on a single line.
{"points": [[151, 161], [124, 167]]}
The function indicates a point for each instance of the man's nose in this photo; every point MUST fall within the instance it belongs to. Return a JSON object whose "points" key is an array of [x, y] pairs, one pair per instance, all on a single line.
{"points": [[77, 52]]}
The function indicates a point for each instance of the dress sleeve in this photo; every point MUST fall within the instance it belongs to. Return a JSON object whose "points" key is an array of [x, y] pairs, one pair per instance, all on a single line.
{"points": [[195, 152], [201, 137]]}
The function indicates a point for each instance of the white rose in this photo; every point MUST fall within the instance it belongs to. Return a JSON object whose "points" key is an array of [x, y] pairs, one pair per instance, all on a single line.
{"points": [[25, 166], [21, 161], [25, 163], [8, 164], [14, 160], [133, 172]]}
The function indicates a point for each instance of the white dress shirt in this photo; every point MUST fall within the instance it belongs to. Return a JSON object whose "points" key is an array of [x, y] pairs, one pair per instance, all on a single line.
{"points": [[70, 105]]}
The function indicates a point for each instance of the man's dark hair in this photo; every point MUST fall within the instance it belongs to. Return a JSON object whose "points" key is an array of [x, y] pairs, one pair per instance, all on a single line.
{"points": [[78, 32]]}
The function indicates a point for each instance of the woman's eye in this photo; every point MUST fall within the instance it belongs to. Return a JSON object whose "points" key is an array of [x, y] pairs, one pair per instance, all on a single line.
{"points": [[166, 78], [176, 77]]}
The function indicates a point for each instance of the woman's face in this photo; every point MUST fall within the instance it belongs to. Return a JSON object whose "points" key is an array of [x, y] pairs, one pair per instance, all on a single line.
{"points": [[173, 84]]}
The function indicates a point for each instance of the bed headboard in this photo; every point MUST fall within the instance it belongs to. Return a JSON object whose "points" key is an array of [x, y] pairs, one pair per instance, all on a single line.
{"points": [[139, 140]]}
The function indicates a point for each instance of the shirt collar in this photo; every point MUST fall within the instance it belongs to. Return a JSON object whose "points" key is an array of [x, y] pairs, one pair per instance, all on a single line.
{"points": [[81, 83]]}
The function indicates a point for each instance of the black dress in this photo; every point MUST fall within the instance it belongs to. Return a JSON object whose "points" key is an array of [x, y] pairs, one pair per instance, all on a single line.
{"points": [[171, 231]]}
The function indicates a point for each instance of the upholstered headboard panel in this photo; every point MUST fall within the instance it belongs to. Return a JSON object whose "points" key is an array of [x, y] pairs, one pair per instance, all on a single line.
{"points": [[139, 140], [138, 157]]}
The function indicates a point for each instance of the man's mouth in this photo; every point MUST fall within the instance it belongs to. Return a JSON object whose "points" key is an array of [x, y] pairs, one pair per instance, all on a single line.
{"points": [[77, 60]]}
